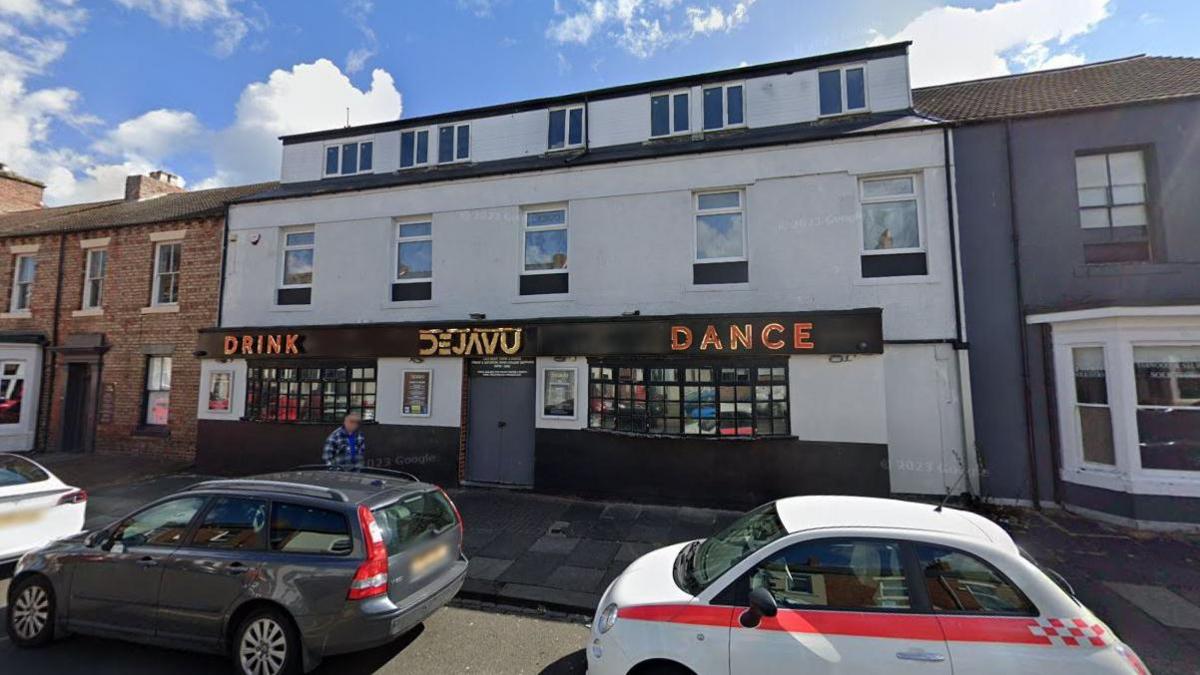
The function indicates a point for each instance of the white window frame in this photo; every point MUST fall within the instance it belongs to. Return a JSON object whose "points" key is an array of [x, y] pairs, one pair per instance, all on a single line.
{"points": [[156, 287], [88, 301], [284, 249], [430, 149], [146, 390], [845, 108], [526, 229], [567, 144], [724, 87], [672, 131], [918, 190], [1108, 188], [575, 391], [16, 293], [341, 156], [1119, 331], [428, 394], [454, 158], [1076, 405], [397, 240], [697, 212], [22, 375]]}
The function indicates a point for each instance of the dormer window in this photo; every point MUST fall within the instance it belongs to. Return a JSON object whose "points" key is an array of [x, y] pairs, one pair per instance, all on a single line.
{"points": [[724, 106], [566, 128], [669, 114], [414, 148], [843, 90], [346, 159], [454, 143]]}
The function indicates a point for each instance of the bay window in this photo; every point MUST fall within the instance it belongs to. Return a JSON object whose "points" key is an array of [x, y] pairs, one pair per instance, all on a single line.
{"points": [[1093, 415], [1167, 380]]}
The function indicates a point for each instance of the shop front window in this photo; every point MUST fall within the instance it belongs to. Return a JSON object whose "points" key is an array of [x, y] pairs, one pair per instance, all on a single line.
{"points": [[1168, 406], [316, 393], [724, 401], [1091, 406]]}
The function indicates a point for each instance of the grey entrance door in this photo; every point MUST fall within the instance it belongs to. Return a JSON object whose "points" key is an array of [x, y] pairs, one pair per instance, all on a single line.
{"points": [[501, 425], [75, 407]]}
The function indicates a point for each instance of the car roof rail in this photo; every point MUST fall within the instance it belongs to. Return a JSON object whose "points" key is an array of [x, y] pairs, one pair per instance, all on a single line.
{"points": [[367, 470], [282, 486]]}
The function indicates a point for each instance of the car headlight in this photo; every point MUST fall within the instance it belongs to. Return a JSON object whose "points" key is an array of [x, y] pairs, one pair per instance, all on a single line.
{"points": [[608, 619]]}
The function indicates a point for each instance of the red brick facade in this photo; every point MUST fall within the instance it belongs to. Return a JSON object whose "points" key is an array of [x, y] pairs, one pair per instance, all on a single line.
{"points": [[18, 193], [132, 330]]}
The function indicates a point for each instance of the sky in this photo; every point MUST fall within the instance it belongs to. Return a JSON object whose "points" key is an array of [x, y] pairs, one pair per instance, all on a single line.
{"points": [[94, 90]]}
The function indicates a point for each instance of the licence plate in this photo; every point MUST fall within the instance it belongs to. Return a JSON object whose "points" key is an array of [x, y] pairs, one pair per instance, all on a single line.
{"points": [[427, 560]]}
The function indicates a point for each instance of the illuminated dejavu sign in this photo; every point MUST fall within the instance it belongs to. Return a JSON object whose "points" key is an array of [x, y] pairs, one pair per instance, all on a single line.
{"points": [[772, 336], [471, 341], [284, 345]]}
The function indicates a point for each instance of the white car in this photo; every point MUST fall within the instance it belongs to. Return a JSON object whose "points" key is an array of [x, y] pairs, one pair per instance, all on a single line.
{"points": [[824, 585], [35, 507]]}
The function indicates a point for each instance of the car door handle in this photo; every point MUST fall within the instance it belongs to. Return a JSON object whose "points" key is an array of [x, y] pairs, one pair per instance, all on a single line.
{"points": [[236, 568], [501, 424], [921, 655], [148, 562]]}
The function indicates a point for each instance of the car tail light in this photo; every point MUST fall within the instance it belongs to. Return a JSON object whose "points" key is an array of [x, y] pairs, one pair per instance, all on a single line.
{"points": [[371, 579], [1135, 662], [74, 497], [457, 516]]}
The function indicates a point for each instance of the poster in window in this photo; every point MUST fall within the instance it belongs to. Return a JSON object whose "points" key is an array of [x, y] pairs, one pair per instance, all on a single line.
{"points": [[416, 390], [220, 388], [558, 399]]}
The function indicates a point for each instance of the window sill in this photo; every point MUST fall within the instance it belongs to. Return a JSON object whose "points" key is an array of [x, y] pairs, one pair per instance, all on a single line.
{"points": [[161, 309], [91, 311], [897, 280], [709, 288], [407, 304], [291, 308], [24, 314], [152, 431], [544, 297]]}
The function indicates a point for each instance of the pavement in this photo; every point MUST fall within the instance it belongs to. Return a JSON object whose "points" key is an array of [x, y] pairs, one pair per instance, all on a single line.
{"points": [[453, 640], [557, 555]]}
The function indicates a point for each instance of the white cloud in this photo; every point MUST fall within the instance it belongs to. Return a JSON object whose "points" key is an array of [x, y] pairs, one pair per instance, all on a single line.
{"points": [[958, 43], [359, 12], [641, 27], [716, 19], [480, 8], [308, 97], [229, 24], [33, 37]]}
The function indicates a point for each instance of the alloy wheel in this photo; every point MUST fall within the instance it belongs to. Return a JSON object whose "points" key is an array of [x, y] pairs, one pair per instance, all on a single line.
{"points": [[30, 612], [264, 648]]}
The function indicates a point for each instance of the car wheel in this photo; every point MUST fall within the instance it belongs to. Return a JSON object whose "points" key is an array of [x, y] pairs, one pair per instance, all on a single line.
{"points": [[31, 612], [267, 644]]}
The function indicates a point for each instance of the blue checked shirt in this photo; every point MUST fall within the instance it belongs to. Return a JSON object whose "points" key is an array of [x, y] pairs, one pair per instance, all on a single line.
{"points": [[344, 450]]}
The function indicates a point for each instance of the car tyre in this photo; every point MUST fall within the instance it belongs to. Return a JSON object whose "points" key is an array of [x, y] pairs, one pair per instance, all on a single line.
{"points": [[31, 612], [267, 644]]}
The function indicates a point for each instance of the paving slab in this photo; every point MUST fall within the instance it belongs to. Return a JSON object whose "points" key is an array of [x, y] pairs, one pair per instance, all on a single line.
{"points": [[621, 512], [571, 578], [532, 568], [487, 569], [556, 545], [593, 553], [1162, 604], [631, 550]]}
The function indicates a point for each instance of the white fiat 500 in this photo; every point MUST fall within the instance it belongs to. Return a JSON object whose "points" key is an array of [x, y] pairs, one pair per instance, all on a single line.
{"points": [[35, 506], [823, 585]]}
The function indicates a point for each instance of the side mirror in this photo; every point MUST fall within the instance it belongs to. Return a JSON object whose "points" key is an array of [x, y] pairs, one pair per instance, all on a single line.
{"points": [[762, 603]]}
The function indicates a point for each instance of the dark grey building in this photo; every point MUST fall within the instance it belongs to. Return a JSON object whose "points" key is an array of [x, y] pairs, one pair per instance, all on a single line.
{"points": [[1079, 212]]}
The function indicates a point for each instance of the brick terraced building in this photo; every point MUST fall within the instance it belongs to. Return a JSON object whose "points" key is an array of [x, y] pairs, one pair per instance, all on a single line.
{"points": [[99, 308]]}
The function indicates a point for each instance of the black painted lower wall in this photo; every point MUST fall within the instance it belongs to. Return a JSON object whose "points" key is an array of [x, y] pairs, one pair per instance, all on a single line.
{"points": [[704, 472], [241, 448], [1152, 508]]}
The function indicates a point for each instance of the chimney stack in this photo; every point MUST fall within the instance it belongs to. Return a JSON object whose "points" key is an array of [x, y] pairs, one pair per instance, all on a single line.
{"points": [[156, 184], [18, 193]]}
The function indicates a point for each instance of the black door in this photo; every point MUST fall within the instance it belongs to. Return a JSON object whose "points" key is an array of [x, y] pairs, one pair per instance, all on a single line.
{"points": [[500, 433], [75, 407]]}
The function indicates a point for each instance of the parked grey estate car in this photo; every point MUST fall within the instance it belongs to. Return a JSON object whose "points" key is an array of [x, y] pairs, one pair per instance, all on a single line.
{"points": [[278, 570]]}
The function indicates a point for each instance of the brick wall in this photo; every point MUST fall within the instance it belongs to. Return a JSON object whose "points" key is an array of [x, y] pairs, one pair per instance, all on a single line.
{"points": [[128, 328]]}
